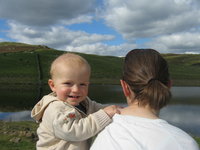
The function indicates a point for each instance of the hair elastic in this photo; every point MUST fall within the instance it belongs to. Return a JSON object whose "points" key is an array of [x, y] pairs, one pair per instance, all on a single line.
{"points": [[151, 80]]}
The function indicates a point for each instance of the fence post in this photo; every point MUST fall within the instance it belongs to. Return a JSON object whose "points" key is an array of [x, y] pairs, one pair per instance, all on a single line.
{"points": [[39, 70]]}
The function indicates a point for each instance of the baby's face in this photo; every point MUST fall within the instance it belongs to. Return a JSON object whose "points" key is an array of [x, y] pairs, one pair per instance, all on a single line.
{"points": [[71, 84]]}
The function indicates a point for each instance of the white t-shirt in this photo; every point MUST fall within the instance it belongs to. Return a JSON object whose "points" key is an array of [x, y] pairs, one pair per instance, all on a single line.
{"points": [[136, 133]]}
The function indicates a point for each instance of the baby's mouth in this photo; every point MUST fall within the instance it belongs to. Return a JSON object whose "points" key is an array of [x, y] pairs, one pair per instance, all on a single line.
{"points": [[70, 96]]}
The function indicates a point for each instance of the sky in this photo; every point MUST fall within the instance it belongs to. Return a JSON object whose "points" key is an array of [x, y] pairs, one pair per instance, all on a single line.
{"points": [[103, 27]]}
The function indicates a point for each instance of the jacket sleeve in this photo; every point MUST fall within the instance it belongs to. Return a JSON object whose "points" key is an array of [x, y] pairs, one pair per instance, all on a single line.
{"points": [[68, 126], [94, 106]]}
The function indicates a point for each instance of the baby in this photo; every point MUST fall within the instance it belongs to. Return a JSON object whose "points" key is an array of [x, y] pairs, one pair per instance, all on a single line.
{"points": [[68, 118]]}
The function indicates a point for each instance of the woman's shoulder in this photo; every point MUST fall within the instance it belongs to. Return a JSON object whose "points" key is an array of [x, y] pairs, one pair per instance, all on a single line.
{"points": [[118, 126], [179, 134]]}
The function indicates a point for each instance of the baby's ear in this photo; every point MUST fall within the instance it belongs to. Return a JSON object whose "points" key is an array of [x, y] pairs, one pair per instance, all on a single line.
{"points": [[51, 85]]}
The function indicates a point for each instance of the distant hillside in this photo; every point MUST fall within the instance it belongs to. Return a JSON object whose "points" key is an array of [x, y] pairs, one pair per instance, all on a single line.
{"points": [[32, 65], [184, 68], [17, 47], [27, 64]]}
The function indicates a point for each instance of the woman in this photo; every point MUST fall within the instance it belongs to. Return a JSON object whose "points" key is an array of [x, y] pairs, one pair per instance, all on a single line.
{"points": [[146, 85]]}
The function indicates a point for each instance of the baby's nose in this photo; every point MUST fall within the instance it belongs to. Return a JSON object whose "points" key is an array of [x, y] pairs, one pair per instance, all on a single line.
{"points": [[75, 88]]}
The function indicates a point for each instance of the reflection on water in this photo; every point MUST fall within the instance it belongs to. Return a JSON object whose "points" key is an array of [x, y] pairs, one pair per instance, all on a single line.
{"points": [[185, 114], [185, 117], [16, 116], [16, 97], [24, 97]]}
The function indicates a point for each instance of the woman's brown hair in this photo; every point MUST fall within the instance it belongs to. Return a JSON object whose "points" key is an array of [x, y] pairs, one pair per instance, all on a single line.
{"points": [[146, 72]]}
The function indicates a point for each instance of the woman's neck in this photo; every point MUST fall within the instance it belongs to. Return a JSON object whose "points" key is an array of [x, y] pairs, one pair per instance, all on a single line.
{"points": [[141, 111]]}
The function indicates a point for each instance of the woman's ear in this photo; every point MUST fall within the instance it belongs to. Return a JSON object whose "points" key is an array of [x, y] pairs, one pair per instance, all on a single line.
{"points": [[51, 85], [170, 83], [125, 88]]}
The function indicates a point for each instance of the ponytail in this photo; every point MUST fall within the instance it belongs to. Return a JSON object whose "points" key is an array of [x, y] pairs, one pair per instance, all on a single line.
{"points": [[157, 94]]}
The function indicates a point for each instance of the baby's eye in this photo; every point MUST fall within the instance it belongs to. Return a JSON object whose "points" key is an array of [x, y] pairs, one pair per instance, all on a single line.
{"points": [[83, 84], [68, 83]]}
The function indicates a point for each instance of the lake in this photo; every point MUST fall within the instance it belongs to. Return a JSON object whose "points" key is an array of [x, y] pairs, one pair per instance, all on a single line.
{"points": [[17, 100]]}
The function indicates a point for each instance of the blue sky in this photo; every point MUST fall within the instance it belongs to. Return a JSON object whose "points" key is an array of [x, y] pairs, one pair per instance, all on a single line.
{"points": [[103, 27]]}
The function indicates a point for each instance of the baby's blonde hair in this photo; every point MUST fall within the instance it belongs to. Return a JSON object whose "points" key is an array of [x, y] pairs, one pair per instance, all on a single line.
{"points": [[68, 59]]}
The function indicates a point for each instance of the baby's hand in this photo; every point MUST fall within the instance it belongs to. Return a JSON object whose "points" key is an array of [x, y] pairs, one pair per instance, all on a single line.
{"points": [[111, 110]]}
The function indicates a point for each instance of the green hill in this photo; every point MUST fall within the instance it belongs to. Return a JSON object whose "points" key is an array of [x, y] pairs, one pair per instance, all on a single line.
{"points": [[29, 64]]}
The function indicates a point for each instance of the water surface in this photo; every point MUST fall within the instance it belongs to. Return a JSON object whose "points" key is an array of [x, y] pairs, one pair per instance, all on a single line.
{"points": [[184, 109]]}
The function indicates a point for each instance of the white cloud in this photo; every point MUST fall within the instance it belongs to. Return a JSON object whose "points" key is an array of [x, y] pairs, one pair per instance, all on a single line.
{"points": [[179, 43], [140, 19], [103, 49], [62, 38], [45, 12], [79, 19], [192, 52], [171, 26]]}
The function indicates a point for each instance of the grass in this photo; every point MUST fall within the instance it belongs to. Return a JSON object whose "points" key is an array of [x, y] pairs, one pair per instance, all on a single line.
{"points": [[19, 65], [13, 43], [197, 139], [18, 135], [22, 65], [184, 67]]}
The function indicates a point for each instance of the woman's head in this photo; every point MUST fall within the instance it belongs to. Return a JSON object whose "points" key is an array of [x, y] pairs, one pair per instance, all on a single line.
{"points": [[146, 73]]}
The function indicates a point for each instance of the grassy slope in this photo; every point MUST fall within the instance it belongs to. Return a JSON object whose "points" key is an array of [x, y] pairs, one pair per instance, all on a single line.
{"points": [[15, 66], [184, 68]]}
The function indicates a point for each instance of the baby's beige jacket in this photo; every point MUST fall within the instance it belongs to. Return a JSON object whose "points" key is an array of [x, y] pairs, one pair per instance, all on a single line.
{"points": [[64, 127]]}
